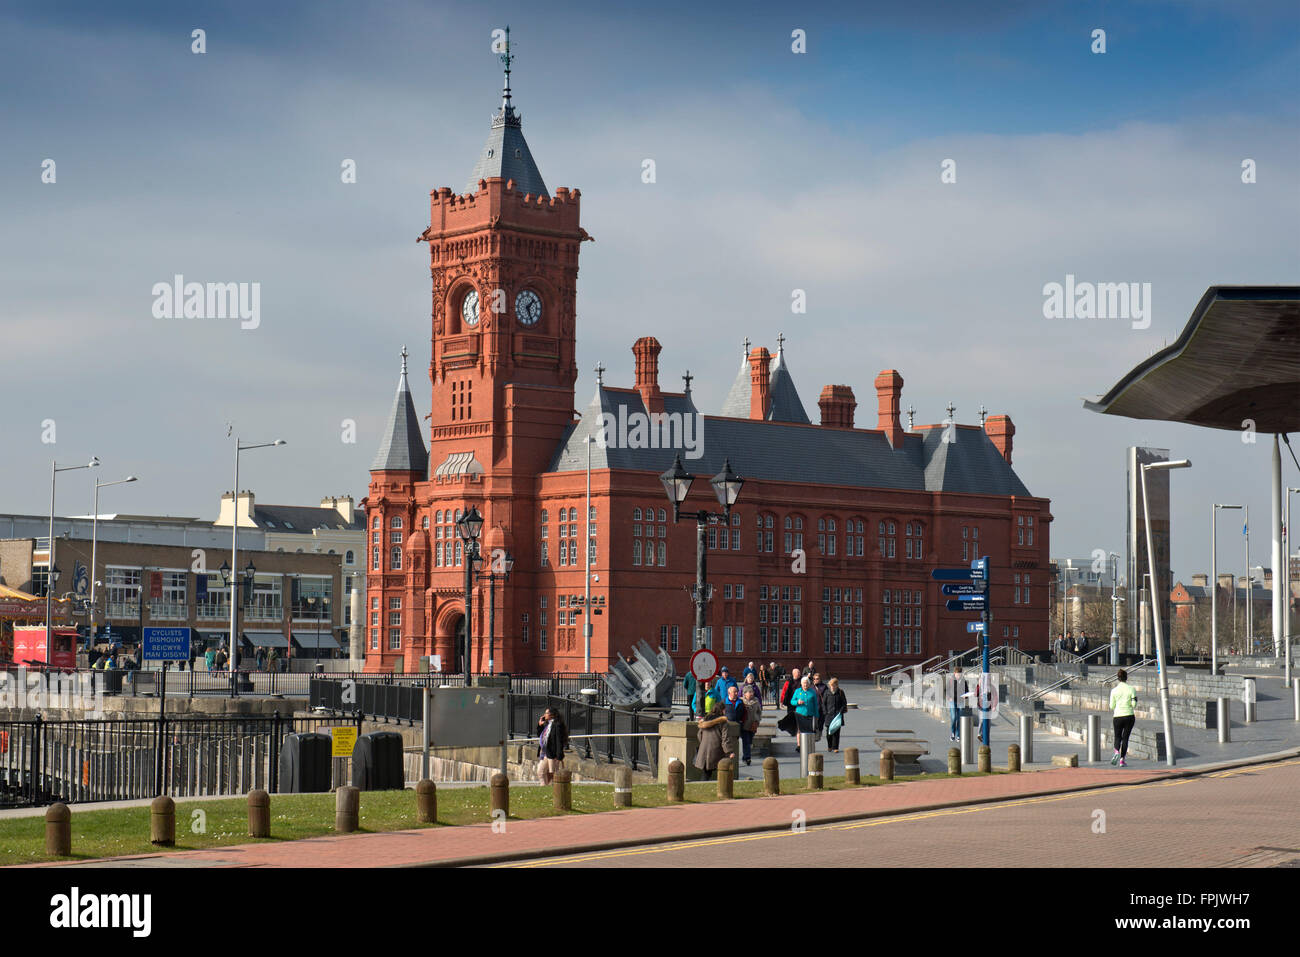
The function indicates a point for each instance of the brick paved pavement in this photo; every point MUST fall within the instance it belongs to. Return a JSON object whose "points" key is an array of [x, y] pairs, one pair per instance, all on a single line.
{"points": [[478, 843]]}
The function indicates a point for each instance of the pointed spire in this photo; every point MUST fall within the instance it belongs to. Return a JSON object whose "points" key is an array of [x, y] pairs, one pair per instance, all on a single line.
{"points": [[506, 154], [786, 406], [506, 57], [402, 448]]}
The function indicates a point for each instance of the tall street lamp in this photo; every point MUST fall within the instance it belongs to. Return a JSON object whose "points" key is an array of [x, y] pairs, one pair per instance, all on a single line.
{"points": [[1155, 605], [234, 560], [94, 542], [726, 486], [1214, 583], [1286, 583], [49, 582], [469, 526], [508, 563], [231, 580]]}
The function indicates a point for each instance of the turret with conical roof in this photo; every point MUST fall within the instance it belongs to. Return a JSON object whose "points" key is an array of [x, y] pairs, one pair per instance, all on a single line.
{"points": [[506, 153], [402, 446]]}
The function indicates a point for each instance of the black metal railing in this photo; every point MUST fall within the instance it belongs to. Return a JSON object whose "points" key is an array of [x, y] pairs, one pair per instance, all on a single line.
{"points": [[124, 759]]}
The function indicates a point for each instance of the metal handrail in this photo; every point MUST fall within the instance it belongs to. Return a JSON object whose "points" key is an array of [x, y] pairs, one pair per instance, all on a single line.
{"points": [[884, 671], [927, 661], [1137, 667], [949, 660], [1052, 687]]}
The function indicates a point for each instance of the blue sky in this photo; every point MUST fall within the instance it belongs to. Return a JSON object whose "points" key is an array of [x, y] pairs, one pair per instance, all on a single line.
{"points": [[776, 171]]}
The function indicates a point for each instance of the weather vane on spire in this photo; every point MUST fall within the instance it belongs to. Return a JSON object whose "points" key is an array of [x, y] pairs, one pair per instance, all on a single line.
{"points": [[506, 57], [404, 354]]}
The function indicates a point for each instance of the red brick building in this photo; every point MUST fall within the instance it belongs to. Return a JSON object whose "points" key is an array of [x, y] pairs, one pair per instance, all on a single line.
{"points": [[873, 510]]}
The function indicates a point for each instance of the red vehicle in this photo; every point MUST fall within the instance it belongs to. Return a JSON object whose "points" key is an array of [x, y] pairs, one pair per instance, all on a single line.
{"points": [[32, 649]]}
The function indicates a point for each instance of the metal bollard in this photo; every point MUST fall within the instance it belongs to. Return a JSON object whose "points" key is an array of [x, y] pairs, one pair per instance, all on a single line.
{"points": [[726, 778], [887, 765], [499, 787], [815, 772], [347, 809], [1223, 718], [1295, 691], [1249, 698], [1094, 738], [162, 821], [58, 831], [807, 741], [676, 782], [771, 777], [967, 740], [622, 786], [1013, 758], [986, 759], [259, 814], [852, 774], [1027, 738], [562, 790], [426, 802], [954, 761]]}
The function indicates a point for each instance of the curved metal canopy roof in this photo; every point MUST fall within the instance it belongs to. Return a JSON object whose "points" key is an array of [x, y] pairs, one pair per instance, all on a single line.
{"points": [[1238, 358]]}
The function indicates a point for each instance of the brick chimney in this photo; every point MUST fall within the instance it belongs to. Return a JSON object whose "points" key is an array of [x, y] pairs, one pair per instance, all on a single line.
{"points": [[889, 393], [760, 399], [837, 404], [647, 349], [1202, 580], [1001, 431]]}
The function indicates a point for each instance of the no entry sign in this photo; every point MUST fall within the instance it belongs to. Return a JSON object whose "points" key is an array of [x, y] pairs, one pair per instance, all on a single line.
{"points": [[704, 664]]}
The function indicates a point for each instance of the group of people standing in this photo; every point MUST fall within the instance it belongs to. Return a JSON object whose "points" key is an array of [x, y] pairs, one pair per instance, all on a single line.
{"points": [[1077, 644], [717, 703], [812, 706]]}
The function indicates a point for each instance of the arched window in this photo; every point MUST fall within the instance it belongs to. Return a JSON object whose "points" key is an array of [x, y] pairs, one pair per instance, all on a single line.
{"points": [[636, 514], [437, 518], [663, 516], [395, 559], [396, 522], [349, 558], [545, 517], [377, 522]]}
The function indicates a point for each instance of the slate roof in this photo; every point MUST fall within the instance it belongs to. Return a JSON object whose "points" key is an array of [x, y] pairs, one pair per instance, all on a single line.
{"points": [[506, 154], [786, 452], [402, 448], [303, 518], [784, 397]]}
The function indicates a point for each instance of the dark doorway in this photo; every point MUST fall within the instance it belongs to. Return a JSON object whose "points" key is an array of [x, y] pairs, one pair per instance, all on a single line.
{"points": [[460, 659]]}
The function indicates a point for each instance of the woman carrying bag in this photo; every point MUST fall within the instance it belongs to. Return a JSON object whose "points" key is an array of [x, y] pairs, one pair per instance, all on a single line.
{"points": [[806, 708], [834, 705]]}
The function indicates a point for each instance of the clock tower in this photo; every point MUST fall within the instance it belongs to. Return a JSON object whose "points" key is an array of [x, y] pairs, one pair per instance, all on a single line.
{"points": [[503, 257]]}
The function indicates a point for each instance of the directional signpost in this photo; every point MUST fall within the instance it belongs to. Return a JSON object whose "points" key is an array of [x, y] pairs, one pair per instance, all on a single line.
{"points": [[969, 592]]}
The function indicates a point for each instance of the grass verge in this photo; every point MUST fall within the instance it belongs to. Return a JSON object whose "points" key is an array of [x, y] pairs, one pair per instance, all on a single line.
{"points": [[207, 824]]}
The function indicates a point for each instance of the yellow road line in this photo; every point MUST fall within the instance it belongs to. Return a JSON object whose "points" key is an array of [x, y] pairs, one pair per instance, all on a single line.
{"points": [[901, 818]]}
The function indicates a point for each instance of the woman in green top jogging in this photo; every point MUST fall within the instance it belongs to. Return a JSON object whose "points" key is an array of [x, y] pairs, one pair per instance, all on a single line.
{"points": [[1122, 697]]}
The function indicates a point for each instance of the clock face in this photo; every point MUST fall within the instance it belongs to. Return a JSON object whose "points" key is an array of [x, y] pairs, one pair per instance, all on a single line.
{"points": [[469, 308], [528, 307]]}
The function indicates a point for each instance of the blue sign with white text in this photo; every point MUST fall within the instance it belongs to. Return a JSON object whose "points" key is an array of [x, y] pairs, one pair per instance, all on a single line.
{"points": [[166, 644]]}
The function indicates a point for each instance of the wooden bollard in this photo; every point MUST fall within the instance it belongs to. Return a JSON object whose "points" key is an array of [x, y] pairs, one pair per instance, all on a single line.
{"points": [[500, 796], [676, 782], [622, 786], [347, 809], [852, 772], [259, 814], [887, 765], [985, 759], [1013, 758], [58, 830], [815, 772], [562, 790], [726, 779], [954, 761], [771, 777], [426, 802], [162, 821]]}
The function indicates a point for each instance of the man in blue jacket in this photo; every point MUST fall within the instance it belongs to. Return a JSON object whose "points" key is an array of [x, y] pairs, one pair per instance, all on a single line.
{"points": [[725, 681]]}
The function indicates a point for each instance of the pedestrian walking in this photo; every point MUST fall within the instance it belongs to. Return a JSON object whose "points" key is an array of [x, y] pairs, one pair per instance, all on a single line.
{"points": [[788, 724], [751, 681], [725, 681], [702, 703], [764, 677], [806, 709], [712, 747], [819, 688], [552, 742], [689, 683], [957, 701], [732, 706], [776, 678], [753, 715], [273, 660], [261, 658], [210, 659], [1122, 699], [834, 706]]}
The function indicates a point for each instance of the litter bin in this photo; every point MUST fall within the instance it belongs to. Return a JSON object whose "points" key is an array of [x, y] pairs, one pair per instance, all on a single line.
{"points": [[305, 763], [377, 762]]}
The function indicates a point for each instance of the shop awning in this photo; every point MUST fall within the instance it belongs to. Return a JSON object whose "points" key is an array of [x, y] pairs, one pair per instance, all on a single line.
{"points": [[265, 639], [311, 641]]}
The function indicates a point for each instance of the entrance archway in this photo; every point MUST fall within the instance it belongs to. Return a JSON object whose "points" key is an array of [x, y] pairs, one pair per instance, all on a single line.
{"points": [[460, 661]]}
